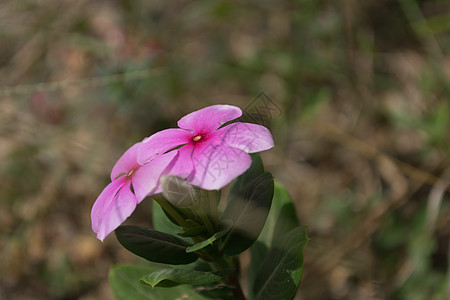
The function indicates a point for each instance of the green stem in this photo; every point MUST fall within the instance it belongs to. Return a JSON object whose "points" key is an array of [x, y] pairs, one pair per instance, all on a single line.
{"points": [[212, 205], [237, 290], [222, 263], [204, 217], [170, 210]]}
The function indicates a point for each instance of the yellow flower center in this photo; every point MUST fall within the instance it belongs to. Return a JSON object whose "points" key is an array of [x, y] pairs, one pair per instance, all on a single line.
{"points": [[197, 138], [130, 173]]}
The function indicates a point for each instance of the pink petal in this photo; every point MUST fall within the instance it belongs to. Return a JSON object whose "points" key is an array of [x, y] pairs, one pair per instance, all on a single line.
{"points": [[114, 205], [105, 197], [208, 119], [216, 166], [126, 162], [161, 142], [246, 136], [183, 166], [146, 179]]}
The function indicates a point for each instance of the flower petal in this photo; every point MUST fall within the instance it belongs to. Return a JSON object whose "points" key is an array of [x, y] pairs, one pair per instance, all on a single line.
{"points": [[183, 166], [216, 166], [147, 178], [114, 205], [126, 162], [161, 142], [246, 136], [208, 119]]}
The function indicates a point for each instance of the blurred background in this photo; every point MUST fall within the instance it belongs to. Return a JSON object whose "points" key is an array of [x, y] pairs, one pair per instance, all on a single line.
{"points": [[356, 94]]}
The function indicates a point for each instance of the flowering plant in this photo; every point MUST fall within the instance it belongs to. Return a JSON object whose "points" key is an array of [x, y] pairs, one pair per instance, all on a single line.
{"points": [[197, 234]]}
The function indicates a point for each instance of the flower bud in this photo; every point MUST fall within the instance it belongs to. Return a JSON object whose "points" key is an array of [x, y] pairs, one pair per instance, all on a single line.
{"points": [[178, 191]]}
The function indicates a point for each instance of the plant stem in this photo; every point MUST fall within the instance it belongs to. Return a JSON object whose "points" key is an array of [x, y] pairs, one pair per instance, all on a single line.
{"points": [[205, 219], [169, 209], [237, 290], [232, 280], [213, 197]]}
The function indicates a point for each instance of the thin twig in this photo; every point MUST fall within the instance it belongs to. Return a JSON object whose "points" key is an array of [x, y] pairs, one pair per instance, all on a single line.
{"points": [[79, 83]]}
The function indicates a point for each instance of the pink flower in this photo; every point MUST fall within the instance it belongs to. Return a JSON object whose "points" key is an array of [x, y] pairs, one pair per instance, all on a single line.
{"points": [[117, 201], [209, 157]]}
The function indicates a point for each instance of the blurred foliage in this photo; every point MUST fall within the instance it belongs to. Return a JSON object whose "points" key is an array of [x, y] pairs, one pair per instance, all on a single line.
{"points": [[359, 108]]}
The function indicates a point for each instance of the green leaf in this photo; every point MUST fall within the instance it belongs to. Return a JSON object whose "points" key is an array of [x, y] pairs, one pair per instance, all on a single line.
{"points": [[227, 223], [124, 280], [282, 268], [154, 245], [248, 209], [256, 169], [281, 219], [174, 277]]}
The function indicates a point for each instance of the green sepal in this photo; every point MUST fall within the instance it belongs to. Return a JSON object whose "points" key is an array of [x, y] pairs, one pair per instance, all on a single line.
{"points": [[194, 231], [228, 224]]}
